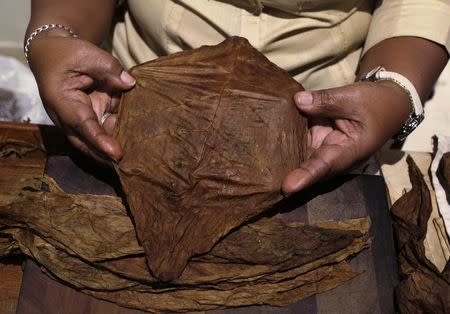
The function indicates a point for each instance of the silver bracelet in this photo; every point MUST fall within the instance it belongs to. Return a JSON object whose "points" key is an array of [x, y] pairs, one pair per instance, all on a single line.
{"points": [[41, 29]]}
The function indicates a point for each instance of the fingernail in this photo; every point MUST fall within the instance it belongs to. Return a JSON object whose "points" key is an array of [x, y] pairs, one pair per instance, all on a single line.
{"points": [[304, 98], [127, 78]]}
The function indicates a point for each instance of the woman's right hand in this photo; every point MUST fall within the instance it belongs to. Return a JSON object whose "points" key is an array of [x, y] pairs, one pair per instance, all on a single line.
{"points": [[79, 83]]}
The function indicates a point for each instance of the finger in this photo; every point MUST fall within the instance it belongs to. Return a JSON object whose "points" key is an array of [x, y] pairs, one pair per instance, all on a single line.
{"points": [[104, 68], [95, 135], [324, 162], [82, 121], [308, 173], [319, 131], [81, 146], [335, 103]]}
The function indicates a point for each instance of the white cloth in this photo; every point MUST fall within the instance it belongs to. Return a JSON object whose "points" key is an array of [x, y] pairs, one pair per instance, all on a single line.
{"points": [[443, 146]]}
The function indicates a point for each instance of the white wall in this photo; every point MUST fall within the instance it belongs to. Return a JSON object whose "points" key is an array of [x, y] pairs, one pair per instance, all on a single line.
{"points": [[14, 15]]}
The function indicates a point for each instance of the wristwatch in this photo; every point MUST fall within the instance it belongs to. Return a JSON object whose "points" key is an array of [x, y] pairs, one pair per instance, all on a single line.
{"points": [[416, 116]]}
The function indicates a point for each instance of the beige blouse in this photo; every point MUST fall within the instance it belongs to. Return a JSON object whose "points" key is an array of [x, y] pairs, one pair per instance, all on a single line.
{"points": [[318, 41]]}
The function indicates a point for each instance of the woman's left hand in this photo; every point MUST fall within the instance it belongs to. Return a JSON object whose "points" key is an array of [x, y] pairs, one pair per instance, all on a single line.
{"points": [[346, 125]]}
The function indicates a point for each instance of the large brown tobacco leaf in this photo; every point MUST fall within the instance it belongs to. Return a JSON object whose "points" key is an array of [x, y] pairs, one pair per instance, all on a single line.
{"points": [[208, 136], [424, 289]]}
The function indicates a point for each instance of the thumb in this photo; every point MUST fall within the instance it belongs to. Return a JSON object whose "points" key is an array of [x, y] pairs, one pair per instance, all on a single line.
{"points": [[334, 103]]}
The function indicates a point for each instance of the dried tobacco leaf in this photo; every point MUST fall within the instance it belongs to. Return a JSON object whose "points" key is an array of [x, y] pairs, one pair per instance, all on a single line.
{"points": [[208, 136], [8, 246], [70, 269], [424, 289], [412, 210], [22, 158], [84, 225], [279, 293]]}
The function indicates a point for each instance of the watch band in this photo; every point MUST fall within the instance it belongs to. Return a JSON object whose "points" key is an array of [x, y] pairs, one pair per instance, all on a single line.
{"points": [[417, 115]]}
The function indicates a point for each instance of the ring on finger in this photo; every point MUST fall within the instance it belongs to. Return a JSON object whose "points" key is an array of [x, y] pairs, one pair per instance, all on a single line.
{"points": [[105, 117]]}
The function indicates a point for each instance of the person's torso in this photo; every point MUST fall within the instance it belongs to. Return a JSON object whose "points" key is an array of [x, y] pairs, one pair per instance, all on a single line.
{"points": [[301, 36]]}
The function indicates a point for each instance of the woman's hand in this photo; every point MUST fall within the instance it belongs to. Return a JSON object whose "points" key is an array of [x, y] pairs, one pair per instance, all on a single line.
{"points": [[346, 125], [79, 83], [349, 123]]}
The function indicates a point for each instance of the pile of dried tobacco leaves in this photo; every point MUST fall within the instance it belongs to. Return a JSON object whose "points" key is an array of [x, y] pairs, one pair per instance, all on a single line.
{"points": [[89, 242]]}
